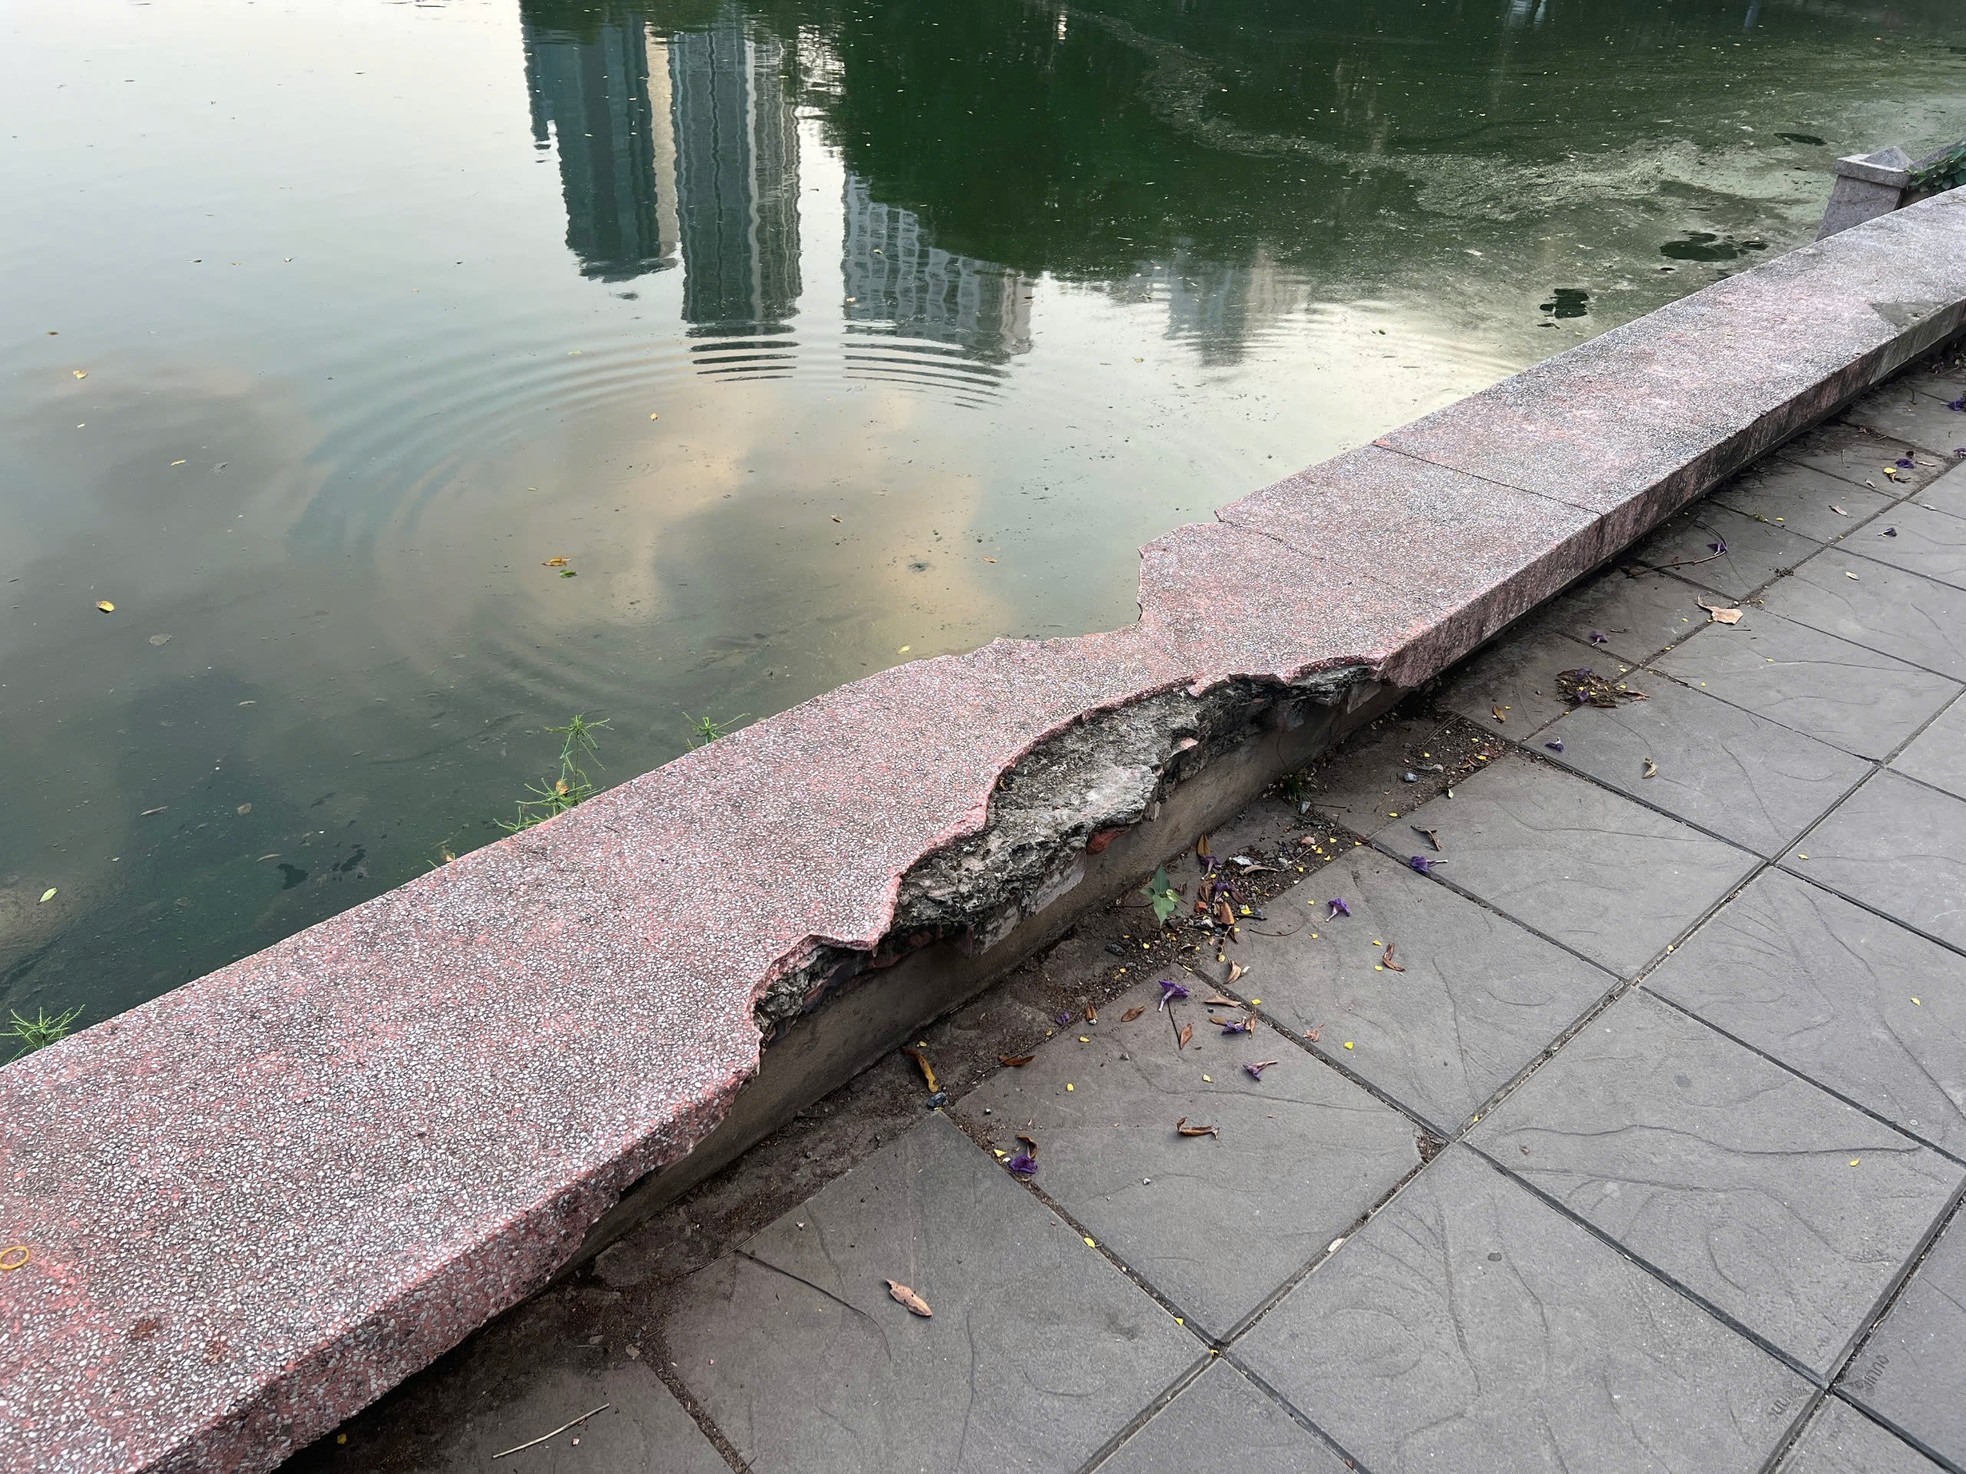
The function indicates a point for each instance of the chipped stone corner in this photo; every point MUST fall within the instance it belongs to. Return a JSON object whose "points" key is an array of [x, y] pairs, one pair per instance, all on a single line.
{"points": [[1068, 797]]}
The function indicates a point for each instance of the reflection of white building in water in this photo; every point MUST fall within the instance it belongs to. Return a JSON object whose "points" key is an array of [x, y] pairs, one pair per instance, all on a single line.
{"points": [[1216, 306], [737, 177], [895, 274], [604, 101]]}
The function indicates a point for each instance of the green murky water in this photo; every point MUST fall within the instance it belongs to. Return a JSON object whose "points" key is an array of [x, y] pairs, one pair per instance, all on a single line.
{"points": [[807, 333]]}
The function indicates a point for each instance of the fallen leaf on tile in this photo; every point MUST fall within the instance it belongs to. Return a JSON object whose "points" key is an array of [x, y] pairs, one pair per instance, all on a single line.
{"points": [[1431, 836], [1187, 1033], [1718, 614], [1387, 959], [1133, 1013], [1185, 1129], [1091, 1014], [1651, 769], [1840, 512], [909, 1298], [1218, 1001], [1015, 1061], [1236, 970], [1497, 711], [556, 563]]}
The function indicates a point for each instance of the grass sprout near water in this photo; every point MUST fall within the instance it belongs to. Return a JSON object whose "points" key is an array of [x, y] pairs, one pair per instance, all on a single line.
{"points": [[705, 730], [38, 1032], [569, 786]]}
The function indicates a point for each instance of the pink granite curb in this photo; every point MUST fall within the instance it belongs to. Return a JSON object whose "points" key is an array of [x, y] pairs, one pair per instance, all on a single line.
{"points": [[256, 1203]]}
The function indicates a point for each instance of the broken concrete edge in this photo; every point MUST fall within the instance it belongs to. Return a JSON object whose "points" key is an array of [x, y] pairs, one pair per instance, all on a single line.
{"points": [[256, 1203]]}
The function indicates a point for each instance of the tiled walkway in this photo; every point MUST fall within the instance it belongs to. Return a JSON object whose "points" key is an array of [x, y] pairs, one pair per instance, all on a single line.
{"points": [[1640, 1155]]}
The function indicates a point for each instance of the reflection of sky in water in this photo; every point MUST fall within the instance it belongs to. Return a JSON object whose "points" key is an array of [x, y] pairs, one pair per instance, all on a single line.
{"points": [[806, 334]]}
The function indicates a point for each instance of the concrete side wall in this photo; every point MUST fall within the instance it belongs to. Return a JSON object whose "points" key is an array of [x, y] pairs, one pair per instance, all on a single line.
{"points": [[259, 1201]]}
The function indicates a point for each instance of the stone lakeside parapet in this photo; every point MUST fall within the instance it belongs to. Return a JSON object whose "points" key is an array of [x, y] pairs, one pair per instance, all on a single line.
{"points": [[259, 1201]]}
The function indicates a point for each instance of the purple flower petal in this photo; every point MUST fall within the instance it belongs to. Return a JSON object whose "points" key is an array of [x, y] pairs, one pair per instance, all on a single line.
{"points": [[1169, 991], [1958, 404], [1422, 864], [1906, 463], [1023, 1164], [1599, 637], [1255, 1071], [1235, 1025], [1890, 532], [1555, 745], [1959, 450], [1338, 907], [1064, 1019], [1719, 547]]}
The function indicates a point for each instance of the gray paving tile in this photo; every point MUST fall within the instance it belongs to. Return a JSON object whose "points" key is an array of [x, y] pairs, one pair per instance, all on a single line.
{"points": [[1853, 1001], [1638, 617], [1360, 785], [1859, 457], [1938, 754], [1895, 845], [1222, 1421], [1215, 1224], [1517, 674], [1755, 552], [1801, 499], [1880, 607], [1947, 494], [1856, 699], [1929, 542], [1841, 1440], [1910, 1372], [644, 1430], [1726, 1173], [1038, 1353], [1605, 876], [1905, 411], [1739, 775], [1469, 1327], [1478, 1000]]}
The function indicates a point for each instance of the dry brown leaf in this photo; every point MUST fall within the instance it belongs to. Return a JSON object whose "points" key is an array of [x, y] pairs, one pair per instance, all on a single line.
{"points": [[1185, 1129], [1719, 613], [556, 563], [1497, 711], [1091, 1014], [1030, 1145], [928, 1070], [1201, 847], [1187, 1033], [909, 1298], [1313, 1034], [1236, 970], [1133, 1013], [1225, 914], [1218, 1001], [1651, 769], [1015, 1061], [1387, 960]]}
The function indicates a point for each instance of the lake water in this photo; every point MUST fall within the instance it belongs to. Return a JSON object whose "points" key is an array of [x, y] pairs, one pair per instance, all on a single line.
{"points": [[813, 337]]}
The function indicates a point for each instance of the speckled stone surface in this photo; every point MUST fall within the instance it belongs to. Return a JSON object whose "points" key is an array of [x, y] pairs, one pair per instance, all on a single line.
{"points": [[301, 1178], [1892, 845], [1221, 1421], [1802, 499]]}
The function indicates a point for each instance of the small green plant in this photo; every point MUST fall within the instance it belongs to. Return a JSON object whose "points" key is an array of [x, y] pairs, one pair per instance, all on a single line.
{"points": [[38, 1032], [570, 786], [1161, 892], [705, 730]]}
